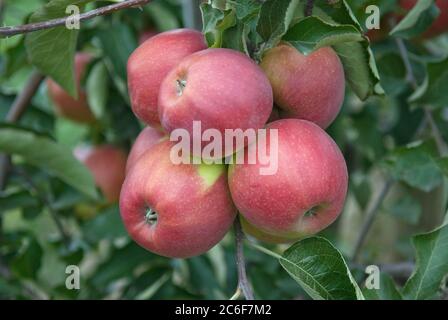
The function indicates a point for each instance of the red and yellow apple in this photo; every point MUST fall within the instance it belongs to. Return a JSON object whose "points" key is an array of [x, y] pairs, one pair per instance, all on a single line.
{"points": [[221, 88], [107, 165], [176, 210], [306, 193], [148, 138], [74, 109], [150, 63], [309, 87]]}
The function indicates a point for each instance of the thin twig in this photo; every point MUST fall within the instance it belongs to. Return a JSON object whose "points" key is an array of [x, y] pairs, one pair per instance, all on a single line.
{"points": [[309, 8], [31, 27], [371, 212], [243, 282]]}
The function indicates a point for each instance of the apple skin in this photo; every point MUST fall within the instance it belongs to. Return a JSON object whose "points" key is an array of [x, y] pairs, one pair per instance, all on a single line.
{"points": [[107, 165], [311, 176], [193, 204], [222, 88], [148, 138], [74, 109], [308, 87], [150, 63], [440, 25]]}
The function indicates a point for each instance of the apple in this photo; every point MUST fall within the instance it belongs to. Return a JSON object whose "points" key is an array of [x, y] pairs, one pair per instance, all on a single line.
{"points": [[150, 63], [220, 88], [148, 138], [309, 87], [174, 210], [306, 193], [440, 25], [74, 109], [107, 165]]}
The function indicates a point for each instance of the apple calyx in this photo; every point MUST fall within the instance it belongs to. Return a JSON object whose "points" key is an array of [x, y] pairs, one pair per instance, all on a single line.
{"points": [[180, 86], [151, 216]]}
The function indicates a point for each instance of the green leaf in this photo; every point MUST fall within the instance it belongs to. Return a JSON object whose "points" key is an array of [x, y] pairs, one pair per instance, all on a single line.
{"points": [[215, 21], [97, 89], [320, 270], [431, 264], [46, 154], [406, 208], [359, 63], [20, 199], [415, 165], [313, 33], [274, 21], [117, 42], [28, 260], [387, 291], [418, 19], [52, 51], [433, 90]]}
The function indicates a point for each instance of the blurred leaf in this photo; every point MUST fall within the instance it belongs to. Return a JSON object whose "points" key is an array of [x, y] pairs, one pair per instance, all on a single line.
{"points": [[97, 89], [106, 225], [46, 154], [392, 72], [312, 33], [274, 21], [387, 290], [418, 19], [415, 165], [117, 42], [52, 51], [164, 19], [121, 264], [431, 264], [28, 260], [406, 208], [433, 91], [20, 199], [320, 270]]}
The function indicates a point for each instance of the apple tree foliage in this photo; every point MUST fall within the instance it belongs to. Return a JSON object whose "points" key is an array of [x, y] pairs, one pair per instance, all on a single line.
{"points": [[393, 128]]}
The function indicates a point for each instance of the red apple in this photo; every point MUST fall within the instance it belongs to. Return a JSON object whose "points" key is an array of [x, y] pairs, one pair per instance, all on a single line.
{"points": [[221, 88], [308, 87], [440, 25], [306, 193], [148, 138], [107, 165], [175, 210], [150, 63], [74, 109]]}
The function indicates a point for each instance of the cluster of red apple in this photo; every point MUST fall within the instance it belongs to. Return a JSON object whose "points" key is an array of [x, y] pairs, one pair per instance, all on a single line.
{"points": [[182, 210]]}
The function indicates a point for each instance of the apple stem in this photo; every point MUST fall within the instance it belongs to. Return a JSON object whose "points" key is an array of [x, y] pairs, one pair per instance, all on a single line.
{"points": [[243, 282]]}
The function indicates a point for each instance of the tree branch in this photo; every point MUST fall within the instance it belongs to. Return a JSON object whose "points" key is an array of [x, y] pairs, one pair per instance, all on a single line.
{"points": [[31, 27], [309, 8], [371, 212], [243, 282]]}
